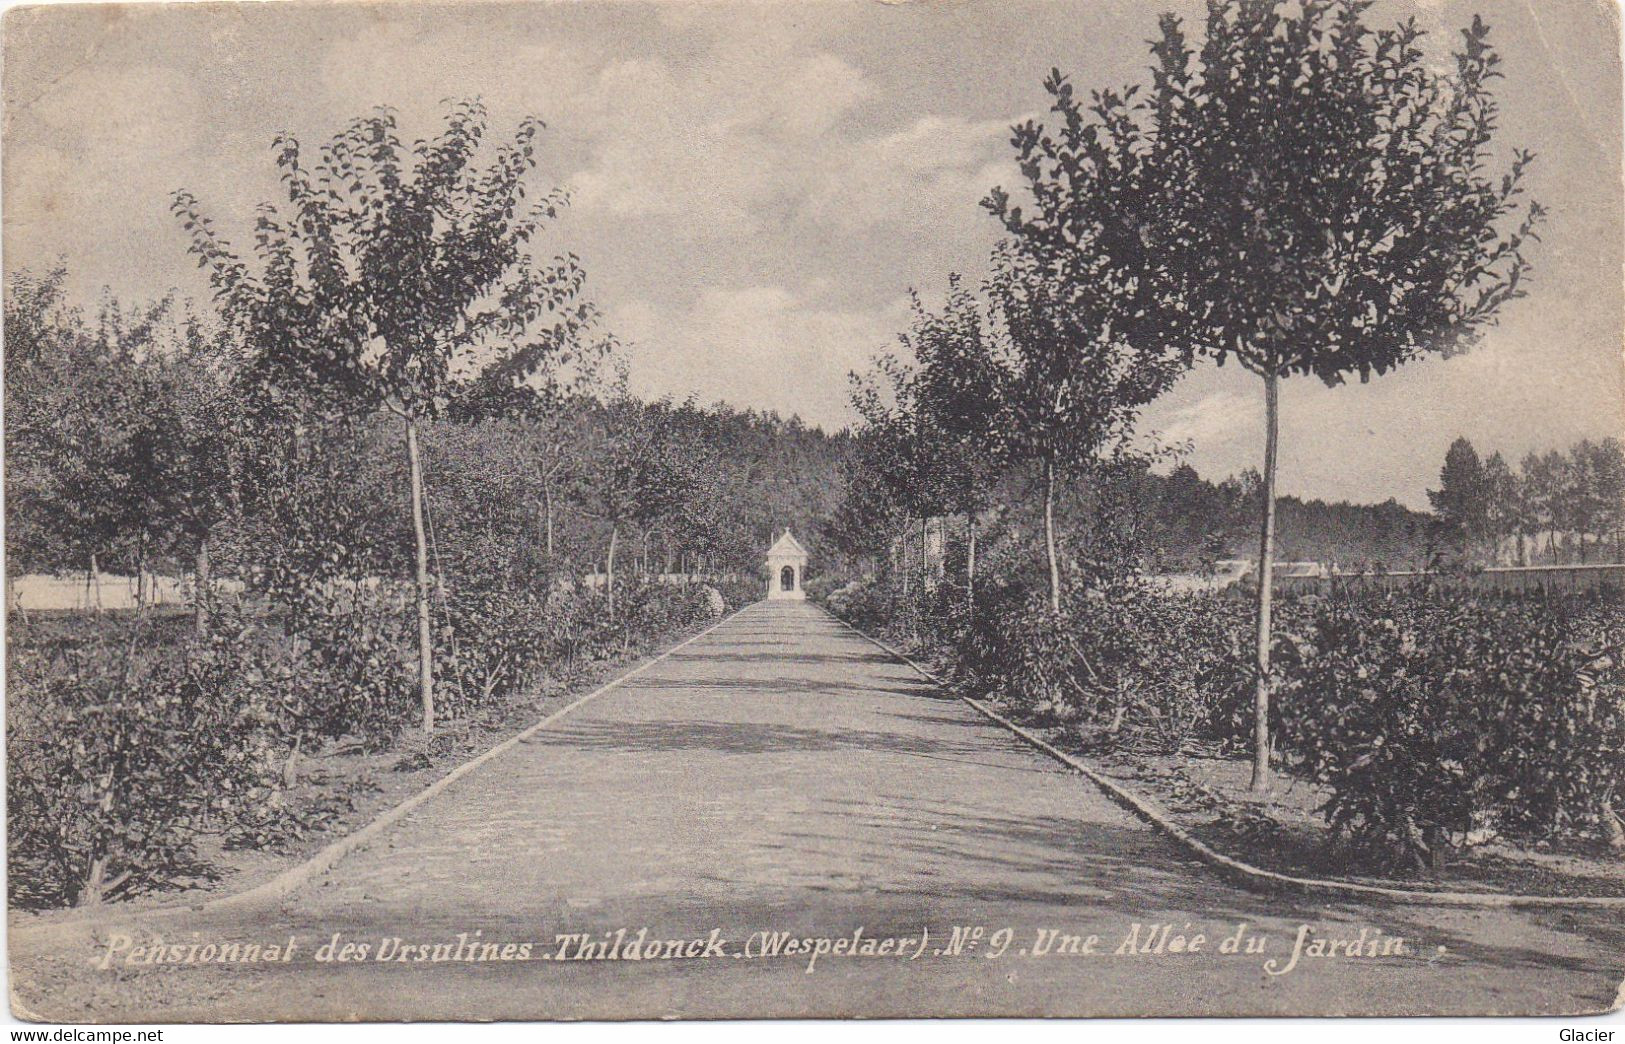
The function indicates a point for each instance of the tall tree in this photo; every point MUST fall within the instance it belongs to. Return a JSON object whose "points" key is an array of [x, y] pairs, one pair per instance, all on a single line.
{"points": [[1608, 463], [1077, 292], [75, 411], [1594, 481], [933, 435], [1462, 500], [906, 450], [187, 447], [639, 472], [1543, 477], [1503, 508], [1319, 201], [860, 527], [961, 389], [400, 278]]}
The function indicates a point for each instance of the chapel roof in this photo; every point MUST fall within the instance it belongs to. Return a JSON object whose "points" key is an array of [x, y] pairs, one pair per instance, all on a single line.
{"points": [[787, 545]]}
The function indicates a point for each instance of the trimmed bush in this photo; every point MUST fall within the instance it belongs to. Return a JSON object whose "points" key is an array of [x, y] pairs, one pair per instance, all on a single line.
{"points": [[122, 755]]}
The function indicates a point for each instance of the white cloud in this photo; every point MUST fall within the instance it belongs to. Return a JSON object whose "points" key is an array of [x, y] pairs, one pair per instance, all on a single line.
{"points": [[90, 164], [759, 346], [120, 113], [938, 168], [394, 62], [758, 184], [712, 155], [1218, 417]]}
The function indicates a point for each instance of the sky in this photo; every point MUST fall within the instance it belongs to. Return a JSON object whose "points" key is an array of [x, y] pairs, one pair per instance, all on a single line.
{"points": [[756, 187]]}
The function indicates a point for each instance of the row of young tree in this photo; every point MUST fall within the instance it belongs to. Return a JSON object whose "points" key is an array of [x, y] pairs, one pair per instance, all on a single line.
{"points": [[117, 434], [1299, 193], [1554, 508], [393, 384], [403, 431]]}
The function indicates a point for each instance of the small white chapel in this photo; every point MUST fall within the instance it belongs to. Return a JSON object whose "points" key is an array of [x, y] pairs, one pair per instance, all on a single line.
{"points": [[786, 561]]}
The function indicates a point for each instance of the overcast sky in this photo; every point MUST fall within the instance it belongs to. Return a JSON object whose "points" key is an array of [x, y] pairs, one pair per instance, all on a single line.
{"points": [[757, 186]]}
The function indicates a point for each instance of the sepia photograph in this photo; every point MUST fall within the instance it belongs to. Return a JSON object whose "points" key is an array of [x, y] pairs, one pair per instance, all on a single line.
{"points": [[621, 510]]}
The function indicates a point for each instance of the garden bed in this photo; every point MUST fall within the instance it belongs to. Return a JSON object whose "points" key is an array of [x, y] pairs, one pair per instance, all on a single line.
{"points": [[1405, 723], [342, 787], [1209, 797]]}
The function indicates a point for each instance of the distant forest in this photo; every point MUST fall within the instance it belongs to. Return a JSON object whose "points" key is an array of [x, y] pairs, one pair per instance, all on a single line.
{"points": [[1185, 523], [1196, 522]]}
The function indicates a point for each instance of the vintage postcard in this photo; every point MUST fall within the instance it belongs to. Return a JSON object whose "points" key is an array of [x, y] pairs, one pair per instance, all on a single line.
{"points": [[813, 508]]}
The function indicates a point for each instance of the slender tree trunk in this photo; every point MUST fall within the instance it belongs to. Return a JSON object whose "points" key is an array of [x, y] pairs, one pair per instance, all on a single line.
{"points": [[970, 561], [141, 572], [902, 557], [1266, 583], [1613, 827], [927, 574], [609, 568], [547, 516], [1049, 538], [425, 629], [202, 573], [95, 885], [93, 588], [91, 893]]}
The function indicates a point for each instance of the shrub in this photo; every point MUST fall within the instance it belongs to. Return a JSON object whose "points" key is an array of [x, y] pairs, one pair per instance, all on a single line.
{"points": [[492, 631], [1429, 718], [712, 603], [819, 588], [1428, 712], [497, 634], [1124, 666], [737, 593], [113, 769], [119, 758], [344, 669]]}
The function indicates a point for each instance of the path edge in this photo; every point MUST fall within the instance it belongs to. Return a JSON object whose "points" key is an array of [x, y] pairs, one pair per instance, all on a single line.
{"points": [[331, 854], [1235, 870]]}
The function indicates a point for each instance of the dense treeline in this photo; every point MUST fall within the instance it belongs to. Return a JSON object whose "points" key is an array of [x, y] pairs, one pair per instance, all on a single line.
{"points": [[116, 432], [1193, 522], [1556, 507], [1181, 523], [118, 455]]}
